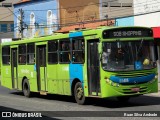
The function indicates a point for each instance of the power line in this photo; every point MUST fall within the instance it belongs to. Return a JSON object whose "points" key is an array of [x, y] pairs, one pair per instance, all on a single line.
{"points": [[4, 13], [12, 12], [139, 4], [64, 8], [110, 12], [6, 16], [88, 15]]}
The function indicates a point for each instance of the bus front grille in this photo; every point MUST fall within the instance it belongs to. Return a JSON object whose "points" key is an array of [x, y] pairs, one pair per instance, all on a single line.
{"points": [[129, 90], [133, 74]]}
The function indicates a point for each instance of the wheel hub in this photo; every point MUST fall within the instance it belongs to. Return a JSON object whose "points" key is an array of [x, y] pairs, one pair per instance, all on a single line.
{"points": [[79, 93]]}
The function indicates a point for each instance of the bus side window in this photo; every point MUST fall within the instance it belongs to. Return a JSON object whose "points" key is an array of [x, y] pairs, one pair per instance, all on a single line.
{"points": [[22, 54], [52, 52], [6, 55], [64, 51], [78, 50], [31, 53]]}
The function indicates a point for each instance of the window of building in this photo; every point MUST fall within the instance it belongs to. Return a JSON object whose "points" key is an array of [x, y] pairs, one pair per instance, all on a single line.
{"points": [[6, 27], [3, 27], [31, 53], [52, 52], [127, 4], [6, 4], [64, 51], [12, 27], [116, 4], [6, 55], [22, 54], [104, 4], [78, 50]]}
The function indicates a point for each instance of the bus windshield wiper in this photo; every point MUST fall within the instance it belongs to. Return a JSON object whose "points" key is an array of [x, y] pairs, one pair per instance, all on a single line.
{"points": [[140, 47]]}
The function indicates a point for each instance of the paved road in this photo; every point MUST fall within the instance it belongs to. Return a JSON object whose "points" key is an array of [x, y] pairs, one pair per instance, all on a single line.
{"points": [[11, 100]]}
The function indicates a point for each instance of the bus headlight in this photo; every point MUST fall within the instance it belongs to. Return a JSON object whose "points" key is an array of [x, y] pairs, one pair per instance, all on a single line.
{"points": [[107, 80], [111, 83], [117, 85], [156, 76]]}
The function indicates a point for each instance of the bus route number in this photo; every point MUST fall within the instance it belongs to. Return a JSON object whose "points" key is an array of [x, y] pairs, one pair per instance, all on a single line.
{"points": [[124, 80]]}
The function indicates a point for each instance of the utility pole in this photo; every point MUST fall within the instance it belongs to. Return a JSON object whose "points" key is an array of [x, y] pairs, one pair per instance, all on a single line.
{"points": [[21, 22], [106, 16]]}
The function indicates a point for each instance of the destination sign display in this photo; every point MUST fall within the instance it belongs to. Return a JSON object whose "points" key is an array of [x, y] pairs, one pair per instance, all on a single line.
{"points": [[127, 33]]}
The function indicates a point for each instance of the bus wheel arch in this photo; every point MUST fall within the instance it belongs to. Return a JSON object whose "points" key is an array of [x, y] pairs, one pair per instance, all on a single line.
{"points": [[73, 85], [26, 87], [23, 81], [78, 92]]}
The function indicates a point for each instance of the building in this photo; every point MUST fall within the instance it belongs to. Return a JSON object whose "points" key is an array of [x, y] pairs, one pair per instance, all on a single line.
{"points": [[73, 11], [93, 13], [36, 21], [6, 18], [35, 18], [115, 8]]}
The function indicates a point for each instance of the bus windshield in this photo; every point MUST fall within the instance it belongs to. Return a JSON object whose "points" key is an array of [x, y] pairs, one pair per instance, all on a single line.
{"points": [[125, 56]]}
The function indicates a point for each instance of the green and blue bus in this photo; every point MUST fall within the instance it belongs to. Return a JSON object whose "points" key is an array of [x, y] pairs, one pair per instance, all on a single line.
{"points": [[104, 62]]}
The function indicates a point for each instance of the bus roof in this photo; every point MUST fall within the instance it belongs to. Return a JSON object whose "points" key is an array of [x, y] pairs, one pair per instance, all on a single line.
{"points": [[58, 36]]}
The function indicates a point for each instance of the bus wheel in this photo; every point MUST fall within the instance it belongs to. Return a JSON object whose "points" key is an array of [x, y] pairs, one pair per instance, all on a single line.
{"points": [[123, 99], [79, 93], [26, 88]]}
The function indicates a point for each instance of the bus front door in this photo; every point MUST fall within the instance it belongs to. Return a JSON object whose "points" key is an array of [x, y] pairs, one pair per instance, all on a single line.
{"points": [[41, 67], [93, 67], [14, 68]]}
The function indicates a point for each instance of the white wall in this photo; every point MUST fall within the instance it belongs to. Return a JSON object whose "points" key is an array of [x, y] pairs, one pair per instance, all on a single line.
{"points": [[141, 7], [148, 20], [146, 6]]}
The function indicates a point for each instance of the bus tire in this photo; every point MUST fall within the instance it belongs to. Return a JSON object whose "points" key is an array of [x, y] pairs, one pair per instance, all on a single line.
{"points": [[79, 93], [26, 88], [123, 99]]}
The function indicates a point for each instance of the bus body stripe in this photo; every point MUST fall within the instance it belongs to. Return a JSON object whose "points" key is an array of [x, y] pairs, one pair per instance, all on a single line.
{"points": [[75, 70], [75, 34], [132, 80]]}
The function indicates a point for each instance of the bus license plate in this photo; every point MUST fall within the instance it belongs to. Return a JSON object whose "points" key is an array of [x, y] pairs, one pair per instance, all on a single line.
{"points": [[135, 89]]}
